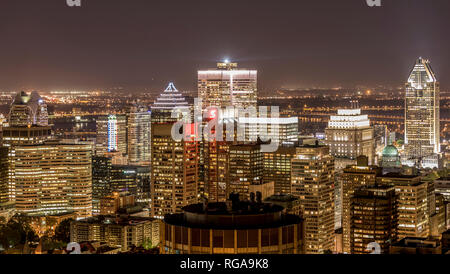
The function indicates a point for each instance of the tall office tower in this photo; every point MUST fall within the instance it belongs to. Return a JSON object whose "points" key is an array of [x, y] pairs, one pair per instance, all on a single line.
{"points": [[170, 99], [215, 164], [52, 178], [352, 178], [438, 222], [373, 219], [245, 168], [412, 199], [22, 135], [111, 134], [277, 168], [227, 85], [422, 142], [350, 135], [139, 123], [286, 133], [312, 178], [4, 169], [135, 180], [101, 180], [28, 110], [174, 174]]}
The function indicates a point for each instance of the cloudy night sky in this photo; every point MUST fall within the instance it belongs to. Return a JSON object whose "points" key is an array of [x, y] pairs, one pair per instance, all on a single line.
{"points": [[146, 43]]}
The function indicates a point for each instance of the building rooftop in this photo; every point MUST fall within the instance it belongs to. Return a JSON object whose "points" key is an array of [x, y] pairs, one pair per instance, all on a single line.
{"points": [[238, 215]]}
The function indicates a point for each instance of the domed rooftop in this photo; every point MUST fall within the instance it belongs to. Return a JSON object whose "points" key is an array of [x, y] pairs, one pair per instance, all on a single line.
{"points": [[390, 151]]}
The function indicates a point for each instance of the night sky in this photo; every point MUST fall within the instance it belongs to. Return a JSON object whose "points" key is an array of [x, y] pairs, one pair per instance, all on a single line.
{"points": [[145, 43]]}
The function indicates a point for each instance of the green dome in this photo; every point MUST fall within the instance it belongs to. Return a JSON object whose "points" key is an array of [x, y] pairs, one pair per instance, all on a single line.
{"points": [[390, 151]]}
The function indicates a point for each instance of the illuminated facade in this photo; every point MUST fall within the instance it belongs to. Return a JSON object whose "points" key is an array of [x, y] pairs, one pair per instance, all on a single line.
{"points": [[286, 132], [174, 174], [17, 136], [101, 180], [27, 110], [350, 135], [134, 180], [277, 168], [139, 123], [53, 178], [350, 179], [373, 219], [227, 86], [4, 169], [313, 183], [245, 164], [111, 134], [422, 139], [413, 202], [215, 167], [123, 232]]}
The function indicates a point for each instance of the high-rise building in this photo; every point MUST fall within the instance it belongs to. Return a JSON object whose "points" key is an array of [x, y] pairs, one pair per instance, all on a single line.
{"points": [[350, 135], [373, 218], [277, 168], [286, 132], [412, 203], [167, 101], [422, 135], [245, 168], [350, 179], [134, 180], [215, 167], [312, 178], [101, 180], [139, 123], [174, 174], [52, 178], [4, 169], [227, 85], [111, 134], [27, 110]]}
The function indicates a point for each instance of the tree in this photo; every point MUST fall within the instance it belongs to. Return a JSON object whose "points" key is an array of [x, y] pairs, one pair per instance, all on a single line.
{"points": [[147, 244], [62, 231], [16, 232]]}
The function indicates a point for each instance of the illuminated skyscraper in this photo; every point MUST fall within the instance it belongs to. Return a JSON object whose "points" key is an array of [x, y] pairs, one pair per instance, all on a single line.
{"points": [[313, 183], [111, 134], [350, 135], [413, 203], [28, 110], [227, 86], [4, 169], [101, 180], [277, 168], [174, 174], [52, 178], [350, 179], [170, 99], [373, 219], [245, 162], [139, 123], [422, 141]]}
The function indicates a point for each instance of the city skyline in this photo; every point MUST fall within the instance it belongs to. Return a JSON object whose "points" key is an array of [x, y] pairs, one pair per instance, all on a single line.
{"points": [[294, 44], [237, 127]]}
